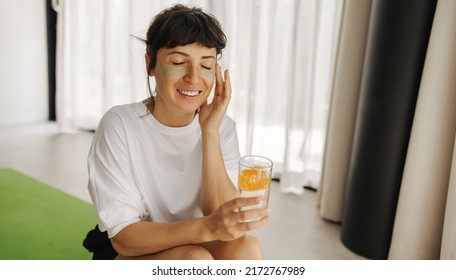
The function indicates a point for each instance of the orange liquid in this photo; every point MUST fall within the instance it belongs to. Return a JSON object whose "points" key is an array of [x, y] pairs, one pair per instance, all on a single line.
{"points": [[253, 179]]}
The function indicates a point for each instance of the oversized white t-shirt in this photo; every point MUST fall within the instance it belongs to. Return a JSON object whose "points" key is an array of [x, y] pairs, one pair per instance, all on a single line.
{"points": [[141, 170]]}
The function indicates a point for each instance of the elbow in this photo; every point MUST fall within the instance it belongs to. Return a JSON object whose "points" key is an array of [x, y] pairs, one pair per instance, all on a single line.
{"points": [[124, 243], [207, 210], [120, 247]]}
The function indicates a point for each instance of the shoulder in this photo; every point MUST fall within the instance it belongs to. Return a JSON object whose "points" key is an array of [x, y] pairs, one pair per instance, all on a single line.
{"points": [[131, 110], [120, 114], [227, 124], [118, 119], [227, 128]]}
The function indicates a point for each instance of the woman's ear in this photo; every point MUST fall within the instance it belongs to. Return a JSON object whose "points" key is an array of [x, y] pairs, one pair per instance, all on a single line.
{"points": [[151, 72]]}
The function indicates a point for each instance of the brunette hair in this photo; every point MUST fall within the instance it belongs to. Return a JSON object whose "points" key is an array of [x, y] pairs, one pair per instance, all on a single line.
{"points": [[180, 25]]}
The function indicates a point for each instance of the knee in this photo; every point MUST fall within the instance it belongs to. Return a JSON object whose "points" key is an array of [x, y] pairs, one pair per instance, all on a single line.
{"points": [[251, 247], [197, 253]]}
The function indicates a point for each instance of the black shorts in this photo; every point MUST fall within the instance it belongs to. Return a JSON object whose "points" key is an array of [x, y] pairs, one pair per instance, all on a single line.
{"points": [[99, 244]]}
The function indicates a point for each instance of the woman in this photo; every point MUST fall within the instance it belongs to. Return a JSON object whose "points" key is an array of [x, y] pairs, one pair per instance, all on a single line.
{"points": [[162, 171]]}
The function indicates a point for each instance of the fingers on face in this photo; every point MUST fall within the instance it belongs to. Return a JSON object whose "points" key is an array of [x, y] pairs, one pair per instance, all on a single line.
{"points": [[227, 86], [218, 74], [223, 84], [218, 79]]}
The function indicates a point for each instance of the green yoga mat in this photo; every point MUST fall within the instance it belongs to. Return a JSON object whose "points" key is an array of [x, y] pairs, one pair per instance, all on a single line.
{"points": [[39, 222]]}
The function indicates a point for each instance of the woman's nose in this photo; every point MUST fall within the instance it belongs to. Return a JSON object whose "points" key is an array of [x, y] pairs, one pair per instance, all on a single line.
{"points": [[192, 75]]}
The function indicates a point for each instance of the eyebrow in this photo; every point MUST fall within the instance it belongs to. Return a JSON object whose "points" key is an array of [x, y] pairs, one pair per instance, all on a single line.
{"points": [[186, 55]]}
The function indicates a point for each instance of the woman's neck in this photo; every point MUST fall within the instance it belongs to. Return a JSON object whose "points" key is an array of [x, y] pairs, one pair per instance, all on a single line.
{"points": [[176, 119]]}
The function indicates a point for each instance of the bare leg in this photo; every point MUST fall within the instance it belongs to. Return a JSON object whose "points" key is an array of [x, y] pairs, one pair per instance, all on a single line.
{"points": [[244, 248], [188, 252]]}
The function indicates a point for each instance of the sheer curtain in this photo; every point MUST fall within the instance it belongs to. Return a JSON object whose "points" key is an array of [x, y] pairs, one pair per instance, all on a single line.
{"points": [[280, 55]]}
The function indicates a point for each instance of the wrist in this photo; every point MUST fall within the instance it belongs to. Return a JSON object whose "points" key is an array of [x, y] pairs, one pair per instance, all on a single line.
{"points": [[210, 133], [207, 233]]}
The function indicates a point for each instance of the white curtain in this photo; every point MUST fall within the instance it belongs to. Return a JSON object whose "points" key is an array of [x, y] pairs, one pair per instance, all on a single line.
{"points": [[280, 55]]}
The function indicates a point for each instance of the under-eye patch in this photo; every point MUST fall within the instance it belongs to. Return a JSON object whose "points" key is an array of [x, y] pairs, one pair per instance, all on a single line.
{"points": [[177, 71], [208, 74], [172, 71]]}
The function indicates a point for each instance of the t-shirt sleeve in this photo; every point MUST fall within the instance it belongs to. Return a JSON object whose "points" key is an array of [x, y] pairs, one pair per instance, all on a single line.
{"points": [[230, 148], [111, 183]]}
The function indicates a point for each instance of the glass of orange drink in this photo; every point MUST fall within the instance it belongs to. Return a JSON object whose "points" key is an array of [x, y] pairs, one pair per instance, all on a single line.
{"points": [[254, 179]]}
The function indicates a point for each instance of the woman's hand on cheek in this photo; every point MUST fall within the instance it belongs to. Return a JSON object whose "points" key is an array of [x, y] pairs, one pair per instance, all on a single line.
{"points": [[211, 115]]}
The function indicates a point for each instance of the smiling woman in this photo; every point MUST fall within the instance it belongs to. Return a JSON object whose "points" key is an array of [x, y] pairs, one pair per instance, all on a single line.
{"points": [[162, 172]]}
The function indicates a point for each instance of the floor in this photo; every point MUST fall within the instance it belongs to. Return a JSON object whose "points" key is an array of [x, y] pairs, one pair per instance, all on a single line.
{"points": [[295, 232]]}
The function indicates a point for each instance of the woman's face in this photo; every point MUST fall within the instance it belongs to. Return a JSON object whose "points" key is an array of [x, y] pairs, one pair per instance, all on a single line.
{"points": [[184, 77]]}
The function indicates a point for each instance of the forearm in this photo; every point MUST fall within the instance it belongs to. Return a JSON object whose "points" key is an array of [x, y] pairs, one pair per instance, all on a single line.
{"points": [[217, 187], [145, 238], [224, 224]]}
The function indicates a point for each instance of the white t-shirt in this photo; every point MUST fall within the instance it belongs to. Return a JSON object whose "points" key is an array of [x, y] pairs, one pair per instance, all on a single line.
{"points": [[141, 170]]}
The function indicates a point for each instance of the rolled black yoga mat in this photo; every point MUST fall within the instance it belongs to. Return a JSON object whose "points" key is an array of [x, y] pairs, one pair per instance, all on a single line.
{"points": [[396, 47]]}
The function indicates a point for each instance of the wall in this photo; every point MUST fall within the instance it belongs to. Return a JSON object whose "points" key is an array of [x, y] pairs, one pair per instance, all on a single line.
{"points": [[23, 57]]}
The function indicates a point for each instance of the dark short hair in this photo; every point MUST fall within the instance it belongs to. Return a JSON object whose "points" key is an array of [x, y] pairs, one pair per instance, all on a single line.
{"points": [[180, 25]]}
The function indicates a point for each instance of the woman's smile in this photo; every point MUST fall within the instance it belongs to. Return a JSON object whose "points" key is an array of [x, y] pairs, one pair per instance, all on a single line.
{"points": [[189, 93]]}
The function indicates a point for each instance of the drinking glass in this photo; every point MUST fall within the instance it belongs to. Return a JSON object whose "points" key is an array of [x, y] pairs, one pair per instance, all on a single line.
{"points": [[254, 179]]}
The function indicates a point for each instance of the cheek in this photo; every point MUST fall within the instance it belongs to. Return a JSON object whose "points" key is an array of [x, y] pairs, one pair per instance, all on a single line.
{"points": [[171, 72], [208, 75]]}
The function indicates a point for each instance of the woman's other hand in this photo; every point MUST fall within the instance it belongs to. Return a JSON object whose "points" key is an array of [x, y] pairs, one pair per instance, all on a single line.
{"points": [[227, 223]]}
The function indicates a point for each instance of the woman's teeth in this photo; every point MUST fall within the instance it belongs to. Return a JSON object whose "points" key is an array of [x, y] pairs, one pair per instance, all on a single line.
{"points": [[188, 92]]}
